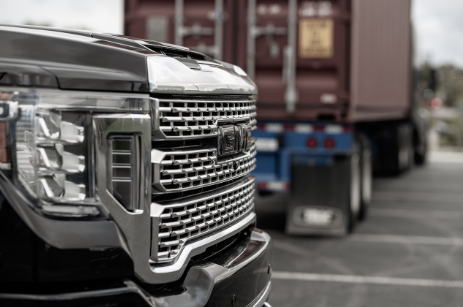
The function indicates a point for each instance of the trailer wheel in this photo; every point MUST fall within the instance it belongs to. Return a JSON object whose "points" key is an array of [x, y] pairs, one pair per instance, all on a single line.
{"points": [[420, 158], [420, 148], [406, 148], [396, 154], [366, 176], [355, 189]]}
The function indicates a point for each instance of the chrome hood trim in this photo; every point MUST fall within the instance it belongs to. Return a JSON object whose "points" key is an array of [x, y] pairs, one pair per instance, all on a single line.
{"points": [[167, 75]]}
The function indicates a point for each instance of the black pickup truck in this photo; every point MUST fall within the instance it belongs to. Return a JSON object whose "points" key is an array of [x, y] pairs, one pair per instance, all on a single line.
{"points": [[125, 174]]}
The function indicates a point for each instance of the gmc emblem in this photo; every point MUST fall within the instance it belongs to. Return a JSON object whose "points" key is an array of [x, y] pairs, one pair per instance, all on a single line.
{"points": [[233, 139]]}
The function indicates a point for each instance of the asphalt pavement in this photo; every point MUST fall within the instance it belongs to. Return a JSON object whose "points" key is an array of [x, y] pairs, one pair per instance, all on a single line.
{"points": [[409, 251]]}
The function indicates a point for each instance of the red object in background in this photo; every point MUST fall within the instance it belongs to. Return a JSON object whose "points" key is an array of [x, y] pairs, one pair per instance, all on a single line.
{"points": [[435, 103], [312, 142], [329, 143]]}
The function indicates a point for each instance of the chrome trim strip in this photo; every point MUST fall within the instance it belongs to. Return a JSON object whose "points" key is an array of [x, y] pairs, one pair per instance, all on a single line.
{"points": [[134, 226], [263, 296]]}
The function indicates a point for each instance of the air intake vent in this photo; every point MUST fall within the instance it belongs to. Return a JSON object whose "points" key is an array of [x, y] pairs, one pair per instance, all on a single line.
{"points": [[175, 53], [124, 170]]}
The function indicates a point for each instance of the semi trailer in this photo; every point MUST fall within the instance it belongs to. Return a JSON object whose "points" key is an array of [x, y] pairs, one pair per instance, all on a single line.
{"points": [[335, 99]]}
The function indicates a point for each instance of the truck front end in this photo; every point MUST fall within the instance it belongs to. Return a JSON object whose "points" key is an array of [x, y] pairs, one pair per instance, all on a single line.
{"points": [[125, 175]]}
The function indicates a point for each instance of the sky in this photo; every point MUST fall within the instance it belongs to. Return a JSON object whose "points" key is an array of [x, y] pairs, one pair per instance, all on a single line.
{"points": [[438, 25], [438, 31], [96, 15]]}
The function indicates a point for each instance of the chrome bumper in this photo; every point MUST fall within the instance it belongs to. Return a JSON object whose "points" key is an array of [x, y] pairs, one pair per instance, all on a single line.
{"points": [[246, 266]]}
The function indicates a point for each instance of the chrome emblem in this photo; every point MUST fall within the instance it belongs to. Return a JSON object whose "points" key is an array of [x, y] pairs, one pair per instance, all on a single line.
{"points": [[233, 139]]}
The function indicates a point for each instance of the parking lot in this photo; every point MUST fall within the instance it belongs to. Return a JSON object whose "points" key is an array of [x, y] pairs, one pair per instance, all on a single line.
{"points": [[408, 252]]}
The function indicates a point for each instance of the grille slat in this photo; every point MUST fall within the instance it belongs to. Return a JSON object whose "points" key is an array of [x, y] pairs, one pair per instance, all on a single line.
{"points": [[195, 118], [179, 224], [190, 173]]}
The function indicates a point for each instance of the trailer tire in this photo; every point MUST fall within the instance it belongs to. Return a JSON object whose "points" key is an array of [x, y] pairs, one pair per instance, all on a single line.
{"points": [[366, 176], [355, 188], [420, 149], [420, 158], [396, 153]]}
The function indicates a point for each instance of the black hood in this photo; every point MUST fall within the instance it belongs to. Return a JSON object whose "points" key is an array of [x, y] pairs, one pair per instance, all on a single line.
{"points": [[83, 60], [78, 60]]}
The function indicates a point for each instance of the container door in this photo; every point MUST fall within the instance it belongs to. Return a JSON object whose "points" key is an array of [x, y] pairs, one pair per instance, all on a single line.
{"points": [[297, 52], [202, 25]]}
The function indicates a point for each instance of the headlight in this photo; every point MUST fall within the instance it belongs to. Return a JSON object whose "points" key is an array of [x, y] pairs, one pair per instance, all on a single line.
{"points": [[49, 146]]}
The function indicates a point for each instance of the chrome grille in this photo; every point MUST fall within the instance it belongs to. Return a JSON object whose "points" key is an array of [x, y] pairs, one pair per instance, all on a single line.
{"points": [[184, 221], [196, 118], [191, 169]]}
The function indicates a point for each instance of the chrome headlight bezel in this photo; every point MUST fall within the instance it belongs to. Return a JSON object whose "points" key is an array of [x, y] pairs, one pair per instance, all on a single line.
{"points": [[50, 137]]}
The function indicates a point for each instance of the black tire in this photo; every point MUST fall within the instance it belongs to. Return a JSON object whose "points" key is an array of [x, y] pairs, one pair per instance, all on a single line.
{"points": [[397, 157], [420, 149], [355, 190], [366, 172], [406, 148], [420, 158]]}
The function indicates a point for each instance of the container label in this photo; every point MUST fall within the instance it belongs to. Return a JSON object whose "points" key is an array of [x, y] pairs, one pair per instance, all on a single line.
{"points": [[316, 38]]}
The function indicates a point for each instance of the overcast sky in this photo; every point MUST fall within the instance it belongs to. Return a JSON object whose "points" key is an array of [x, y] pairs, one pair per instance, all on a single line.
{"points": [[97, 15], [438, 23], [438, 29]]}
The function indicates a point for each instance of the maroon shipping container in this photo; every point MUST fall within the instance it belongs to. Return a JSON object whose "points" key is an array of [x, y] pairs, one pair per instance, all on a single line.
{"points": [[337, 60], [203, 25]]}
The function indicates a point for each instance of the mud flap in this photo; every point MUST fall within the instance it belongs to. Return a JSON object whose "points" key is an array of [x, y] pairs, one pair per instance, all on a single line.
{"points": [[319, 200]]}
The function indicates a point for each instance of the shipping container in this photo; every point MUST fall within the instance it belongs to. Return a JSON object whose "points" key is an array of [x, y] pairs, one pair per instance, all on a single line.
{"points": [[335, 92], [203, 25], [336, 60]]}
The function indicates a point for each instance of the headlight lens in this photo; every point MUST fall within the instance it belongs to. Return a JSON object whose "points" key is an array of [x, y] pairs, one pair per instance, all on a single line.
{"points": [[52, 154], [52, 146]]}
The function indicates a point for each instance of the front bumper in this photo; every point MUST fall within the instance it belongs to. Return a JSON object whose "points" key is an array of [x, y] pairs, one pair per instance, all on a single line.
{"points": [[239, 277]]}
